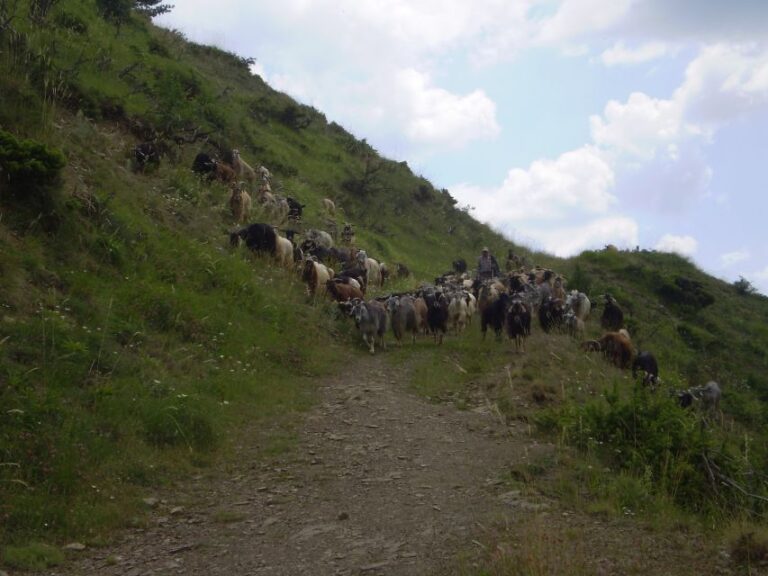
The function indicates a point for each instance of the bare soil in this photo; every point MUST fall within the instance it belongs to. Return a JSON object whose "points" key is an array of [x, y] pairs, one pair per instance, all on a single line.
{"points": [[382, 482]]}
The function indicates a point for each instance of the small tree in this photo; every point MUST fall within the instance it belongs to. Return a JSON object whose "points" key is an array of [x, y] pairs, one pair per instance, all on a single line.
{"points": [[118, 12], [152, 8], [744, 287]]}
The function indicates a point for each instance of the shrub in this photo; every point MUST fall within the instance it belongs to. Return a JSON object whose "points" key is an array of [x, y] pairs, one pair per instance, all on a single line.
{"points": [[118, 12], [30, 176], [71, 22], [685, 294], [580, 280], [647, 435], [744, 287]]}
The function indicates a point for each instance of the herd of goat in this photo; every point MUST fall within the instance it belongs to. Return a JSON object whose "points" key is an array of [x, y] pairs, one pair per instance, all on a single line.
{"points": [[505, 304]]}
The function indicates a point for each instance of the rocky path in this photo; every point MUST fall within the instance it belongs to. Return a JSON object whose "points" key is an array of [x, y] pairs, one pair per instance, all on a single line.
{"points": [[381, 482]]}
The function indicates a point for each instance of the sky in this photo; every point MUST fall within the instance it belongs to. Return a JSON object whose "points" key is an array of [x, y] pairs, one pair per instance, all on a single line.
{"points": [[564, 124]]}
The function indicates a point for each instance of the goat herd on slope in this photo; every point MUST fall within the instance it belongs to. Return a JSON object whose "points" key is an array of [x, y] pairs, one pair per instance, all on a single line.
{"points": [[505, 303]]}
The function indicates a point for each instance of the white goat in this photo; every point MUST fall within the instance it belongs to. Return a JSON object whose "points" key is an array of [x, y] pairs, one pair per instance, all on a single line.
{"points": [[283, 251], [329, 206]]}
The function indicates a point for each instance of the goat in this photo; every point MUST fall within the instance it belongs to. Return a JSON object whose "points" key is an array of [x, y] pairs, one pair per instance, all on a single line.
{"points": [[329, 206], [494, 315], [371, 319], [223, 173], [471, 305], [573, 325], [148, 153], [617, 348], [284, 252], [551, 314], [402, 317], [295, 209], [319, 238], [316, 275], [518, 323], [613, 317], [240, 203], [258, 237], [203, 164], [422, 314], [342, 292], [579, 304], [347, 234], [437, 314], [358, 274], [558, 288], [645, 362], [487, 294], [383, 272], [710, 395], [372, 268], [458, 312], [242, 168]]}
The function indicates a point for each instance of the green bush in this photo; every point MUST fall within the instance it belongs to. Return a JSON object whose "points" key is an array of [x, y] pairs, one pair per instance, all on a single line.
{"points": [[649, 436], [30, 176], [71, 22]]}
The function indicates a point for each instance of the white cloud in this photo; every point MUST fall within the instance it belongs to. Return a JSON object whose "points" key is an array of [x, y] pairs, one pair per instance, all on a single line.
{"points": [[563, 205], [723, 83], [619, 54], [657, 147], [683, 245], [576, 18], [731, 258], [640, 128], [439, 118], [568, 240], [575, 184]]}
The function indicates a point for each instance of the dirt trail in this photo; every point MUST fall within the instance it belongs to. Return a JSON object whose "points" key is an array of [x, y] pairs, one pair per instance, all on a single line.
{"points": [[382, 482]]}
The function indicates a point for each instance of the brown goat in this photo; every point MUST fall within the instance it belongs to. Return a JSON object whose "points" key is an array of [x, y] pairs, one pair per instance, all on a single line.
{"points": [[420, 305], [223, 173], [240, 203], [618, 348], [343, 292]]}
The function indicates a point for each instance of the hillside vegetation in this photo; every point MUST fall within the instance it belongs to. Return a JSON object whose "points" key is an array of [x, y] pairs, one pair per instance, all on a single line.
{"points": [[135, 344]]}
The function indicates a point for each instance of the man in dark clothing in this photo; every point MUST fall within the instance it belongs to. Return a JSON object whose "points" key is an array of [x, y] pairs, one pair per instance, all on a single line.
{"points": [[487, 267]]}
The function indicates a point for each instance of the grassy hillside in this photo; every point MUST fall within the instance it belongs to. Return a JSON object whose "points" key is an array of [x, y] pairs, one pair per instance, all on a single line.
{"points": [[134, 343]]}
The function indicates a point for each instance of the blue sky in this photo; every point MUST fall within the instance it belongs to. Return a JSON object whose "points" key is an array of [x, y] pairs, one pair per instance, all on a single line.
{"points": [[566, 124]]}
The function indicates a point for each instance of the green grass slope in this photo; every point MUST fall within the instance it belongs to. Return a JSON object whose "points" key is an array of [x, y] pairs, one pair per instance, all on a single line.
{"points": [[134, 344]]}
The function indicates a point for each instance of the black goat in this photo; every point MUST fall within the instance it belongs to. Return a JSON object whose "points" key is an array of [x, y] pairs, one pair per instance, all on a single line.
{"points": [[258, 237]]}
